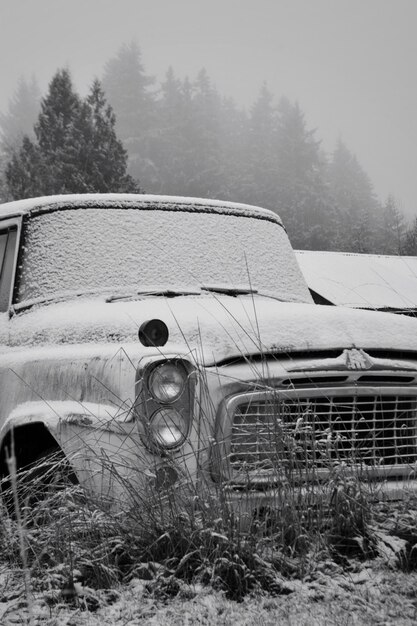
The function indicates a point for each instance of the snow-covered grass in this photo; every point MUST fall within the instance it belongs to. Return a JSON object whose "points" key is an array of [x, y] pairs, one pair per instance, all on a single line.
{"points": [[175, 558], [72, 548], [89, 566]]}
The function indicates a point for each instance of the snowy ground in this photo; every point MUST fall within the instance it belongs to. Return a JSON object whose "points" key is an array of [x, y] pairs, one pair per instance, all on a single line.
{"points": [[373, 594], [333, 588]]}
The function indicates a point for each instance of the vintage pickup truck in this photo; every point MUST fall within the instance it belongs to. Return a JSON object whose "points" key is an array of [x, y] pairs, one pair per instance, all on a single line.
{"points": [[156, 341]]}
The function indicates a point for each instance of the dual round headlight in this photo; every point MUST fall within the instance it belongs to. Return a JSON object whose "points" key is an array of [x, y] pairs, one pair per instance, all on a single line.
{"points": [[167, 382], [167, 428]]}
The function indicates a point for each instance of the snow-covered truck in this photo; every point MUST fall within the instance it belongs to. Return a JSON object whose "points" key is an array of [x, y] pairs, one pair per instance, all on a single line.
{"points": [[151, 340]]}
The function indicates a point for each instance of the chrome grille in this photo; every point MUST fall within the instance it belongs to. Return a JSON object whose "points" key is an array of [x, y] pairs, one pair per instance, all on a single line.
{"points": [[373, 430]]}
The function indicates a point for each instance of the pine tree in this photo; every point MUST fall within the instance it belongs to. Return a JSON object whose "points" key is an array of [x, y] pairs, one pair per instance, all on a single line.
{"points": [[302, 195], [3, 187], [59, 139], [75, 148], [410, 240], [355, 200], [103, 154], [392, 228], [233, 152], [188, 142], [261, 155], [23, 109], [169, 154], [203, 142], [127, 89], [24, 172]]}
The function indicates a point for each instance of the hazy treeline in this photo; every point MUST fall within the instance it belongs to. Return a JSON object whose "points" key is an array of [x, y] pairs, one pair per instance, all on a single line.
{"points": [[183, 137]]}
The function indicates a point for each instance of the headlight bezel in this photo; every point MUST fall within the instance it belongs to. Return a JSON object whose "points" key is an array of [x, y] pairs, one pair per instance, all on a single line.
{"points": [[148, 406], [156, 371]]}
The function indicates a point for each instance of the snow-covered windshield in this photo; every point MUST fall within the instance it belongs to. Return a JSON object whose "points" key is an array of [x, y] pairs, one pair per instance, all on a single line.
{"points": [[117, 249]]}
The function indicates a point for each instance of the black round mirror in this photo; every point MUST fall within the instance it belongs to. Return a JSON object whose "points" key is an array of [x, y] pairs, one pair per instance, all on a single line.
{"points": [[153, 333]]}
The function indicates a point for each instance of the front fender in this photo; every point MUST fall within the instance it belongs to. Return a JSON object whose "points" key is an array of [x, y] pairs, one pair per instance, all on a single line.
{"points": [[57, 413], [100, 441]]}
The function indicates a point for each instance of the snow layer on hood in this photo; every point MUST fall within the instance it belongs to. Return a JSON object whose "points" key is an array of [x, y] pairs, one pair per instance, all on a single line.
{"points": [[212, 328], [96, 249], [362, 280]]}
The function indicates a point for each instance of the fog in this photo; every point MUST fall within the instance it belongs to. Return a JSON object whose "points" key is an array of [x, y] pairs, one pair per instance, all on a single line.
{"points": [[349, 63]]}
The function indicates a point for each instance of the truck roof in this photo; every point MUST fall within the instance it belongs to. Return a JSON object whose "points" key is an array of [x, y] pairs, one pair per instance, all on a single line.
{"points": [[365, 281], [126, 200]]}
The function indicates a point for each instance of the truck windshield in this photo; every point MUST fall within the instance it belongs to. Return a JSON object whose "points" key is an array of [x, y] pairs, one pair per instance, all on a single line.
{"points": [[113, 249]]}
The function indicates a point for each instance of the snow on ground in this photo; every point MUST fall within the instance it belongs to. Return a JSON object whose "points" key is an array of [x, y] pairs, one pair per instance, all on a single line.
{"points": [[371, 595]]}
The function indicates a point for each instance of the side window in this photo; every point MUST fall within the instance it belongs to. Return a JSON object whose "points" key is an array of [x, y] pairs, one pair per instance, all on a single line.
{"points": [[8, 240]]}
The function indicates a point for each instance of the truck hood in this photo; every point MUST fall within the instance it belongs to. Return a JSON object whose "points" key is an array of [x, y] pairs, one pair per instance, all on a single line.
{"points": [[213, 328]]}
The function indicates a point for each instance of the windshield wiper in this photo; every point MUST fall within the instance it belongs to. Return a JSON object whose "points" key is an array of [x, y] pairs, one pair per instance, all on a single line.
{"points": [[230, 290], [60, 297], [164, 292], [240, 290], [167, 292]]}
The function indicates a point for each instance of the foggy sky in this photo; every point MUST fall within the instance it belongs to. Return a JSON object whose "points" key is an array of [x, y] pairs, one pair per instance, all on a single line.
{"points": [[349, 63]]}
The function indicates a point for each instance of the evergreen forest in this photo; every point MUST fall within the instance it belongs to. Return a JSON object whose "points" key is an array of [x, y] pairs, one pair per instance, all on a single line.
{"points": [[182, 137]]}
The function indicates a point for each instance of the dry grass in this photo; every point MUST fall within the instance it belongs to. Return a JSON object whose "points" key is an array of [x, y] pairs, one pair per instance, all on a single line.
{"points": [[352, 562], [65, 540]]}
